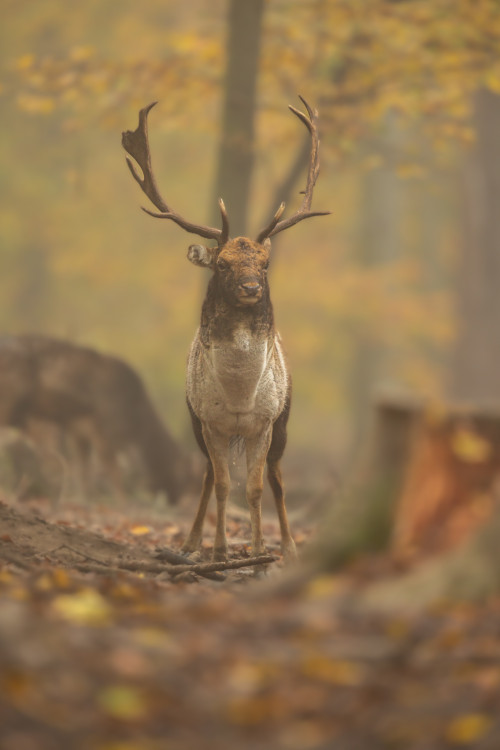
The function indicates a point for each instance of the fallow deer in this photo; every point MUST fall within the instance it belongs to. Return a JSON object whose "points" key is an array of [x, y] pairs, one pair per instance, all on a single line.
{"points": [[238, 384]]}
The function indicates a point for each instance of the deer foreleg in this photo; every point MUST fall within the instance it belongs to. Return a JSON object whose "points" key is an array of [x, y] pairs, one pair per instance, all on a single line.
{"points": [[256, 458], [218, 447]]}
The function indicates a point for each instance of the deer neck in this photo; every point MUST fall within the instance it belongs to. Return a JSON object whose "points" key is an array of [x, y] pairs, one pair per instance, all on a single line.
{"points": [[239, 343], [224, 323]]}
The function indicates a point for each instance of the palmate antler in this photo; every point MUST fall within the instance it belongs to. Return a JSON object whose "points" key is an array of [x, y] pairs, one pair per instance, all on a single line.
{"points": [[136, 143], [304, 211]]}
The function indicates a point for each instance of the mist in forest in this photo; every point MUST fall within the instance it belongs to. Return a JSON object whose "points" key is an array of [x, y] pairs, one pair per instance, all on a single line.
{"points": [[391, 296]]}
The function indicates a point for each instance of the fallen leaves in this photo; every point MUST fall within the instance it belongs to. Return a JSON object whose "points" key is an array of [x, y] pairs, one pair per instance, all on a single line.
{"points": [[468, 729], [85, 607], [127, 663], [122, 702]]}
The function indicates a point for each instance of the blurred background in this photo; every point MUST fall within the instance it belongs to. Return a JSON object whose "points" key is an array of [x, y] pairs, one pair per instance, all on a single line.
{"points": [[396, 291]]}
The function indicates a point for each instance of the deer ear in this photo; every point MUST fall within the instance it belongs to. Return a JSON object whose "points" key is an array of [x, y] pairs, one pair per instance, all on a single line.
{"points": [[201, 256], [267, 243]]}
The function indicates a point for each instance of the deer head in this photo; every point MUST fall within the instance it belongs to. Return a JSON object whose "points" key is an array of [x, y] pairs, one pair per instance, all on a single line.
{"points": [[239, 265]]}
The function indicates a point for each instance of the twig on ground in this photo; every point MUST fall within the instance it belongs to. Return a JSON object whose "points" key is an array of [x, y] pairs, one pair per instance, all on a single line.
{"points": [[207, 570], [202, 568]]}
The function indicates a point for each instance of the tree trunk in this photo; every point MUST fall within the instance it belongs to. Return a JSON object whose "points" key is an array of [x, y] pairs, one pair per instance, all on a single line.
{"points": [[236, 151], [475, 372], [378, 242]]}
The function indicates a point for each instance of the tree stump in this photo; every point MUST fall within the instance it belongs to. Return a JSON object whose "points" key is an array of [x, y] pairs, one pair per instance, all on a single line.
{"points": [[361, 518], [427, 480], [451, 480]]}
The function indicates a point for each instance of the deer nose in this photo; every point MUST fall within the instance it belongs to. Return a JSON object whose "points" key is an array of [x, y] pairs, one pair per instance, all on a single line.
{"points": [[251, 288]]}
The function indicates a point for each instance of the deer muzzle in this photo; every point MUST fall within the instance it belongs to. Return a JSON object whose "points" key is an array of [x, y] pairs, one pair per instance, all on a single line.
{"points": [[250, 291]]}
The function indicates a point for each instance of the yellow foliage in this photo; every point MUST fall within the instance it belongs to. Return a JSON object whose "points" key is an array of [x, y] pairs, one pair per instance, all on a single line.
{"points": [[36, 105]]}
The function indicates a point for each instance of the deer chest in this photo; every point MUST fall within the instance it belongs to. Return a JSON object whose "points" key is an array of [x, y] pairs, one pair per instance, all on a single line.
{"points": [[238, 384]]}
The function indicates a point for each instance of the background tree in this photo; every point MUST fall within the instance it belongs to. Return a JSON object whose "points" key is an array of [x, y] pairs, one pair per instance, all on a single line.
{"points": [[237, 144], [476, 354]]}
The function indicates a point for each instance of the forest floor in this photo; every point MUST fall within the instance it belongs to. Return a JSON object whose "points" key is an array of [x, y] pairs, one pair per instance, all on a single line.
{"points": [[104, 647]]}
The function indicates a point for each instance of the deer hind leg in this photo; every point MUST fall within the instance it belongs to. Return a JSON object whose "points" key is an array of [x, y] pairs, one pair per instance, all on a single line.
{"points": [[276, 450], [194, 539]]}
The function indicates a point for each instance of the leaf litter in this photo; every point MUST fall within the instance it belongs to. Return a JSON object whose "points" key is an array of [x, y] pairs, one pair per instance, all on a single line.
{"points": [[96, 655]]}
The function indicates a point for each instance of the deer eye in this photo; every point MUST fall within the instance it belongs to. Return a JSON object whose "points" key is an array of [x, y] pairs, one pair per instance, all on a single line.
{"points": [[222, 264]]}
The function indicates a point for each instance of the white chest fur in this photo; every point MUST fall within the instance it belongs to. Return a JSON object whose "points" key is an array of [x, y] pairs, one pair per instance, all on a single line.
{"points": [[239, 383], [239, 367]]}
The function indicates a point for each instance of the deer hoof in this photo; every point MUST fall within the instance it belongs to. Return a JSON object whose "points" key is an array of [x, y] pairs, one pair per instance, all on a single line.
{"points": [[289, 552], [190, 546], [219, 554]]}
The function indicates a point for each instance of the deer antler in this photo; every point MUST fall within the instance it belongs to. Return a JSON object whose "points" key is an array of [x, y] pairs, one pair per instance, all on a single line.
{"points": [[304, 211], [136, 143]]}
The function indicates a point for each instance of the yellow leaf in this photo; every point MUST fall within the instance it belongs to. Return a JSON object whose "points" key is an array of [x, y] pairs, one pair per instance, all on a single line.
{"points": [[86, 607], [322, 587], [468, 728], [469, 446], [122, 702], [335, 671], [140, 530]]}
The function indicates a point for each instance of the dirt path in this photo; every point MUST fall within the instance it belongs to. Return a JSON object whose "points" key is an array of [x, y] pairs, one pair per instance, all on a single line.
{"points": [[129, 660]]}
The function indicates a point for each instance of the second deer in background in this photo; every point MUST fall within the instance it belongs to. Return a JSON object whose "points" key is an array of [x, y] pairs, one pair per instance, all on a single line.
{"points": [[238, 384]]}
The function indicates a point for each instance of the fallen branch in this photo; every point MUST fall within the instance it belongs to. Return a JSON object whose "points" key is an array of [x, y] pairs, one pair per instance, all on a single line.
{"points": [[203, 568], [12, 558], [208, 570]]}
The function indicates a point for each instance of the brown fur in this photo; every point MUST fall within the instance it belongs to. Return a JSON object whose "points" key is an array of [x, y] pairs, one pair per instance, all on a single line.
{"points": [[238, 385]]}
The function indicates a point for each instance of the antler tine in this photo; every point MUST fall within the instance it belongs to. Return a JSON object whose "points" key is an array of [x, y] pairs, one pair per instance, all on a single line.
{"points": [[310, 121], [225, 223], [266, 232], [136, 143]]}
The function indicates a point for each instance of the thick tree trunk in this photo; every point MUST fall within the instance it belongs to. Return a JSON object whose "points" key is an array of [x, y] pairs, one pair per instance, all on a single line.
{"points": [[236, 154]]}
